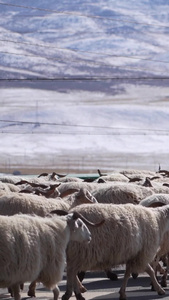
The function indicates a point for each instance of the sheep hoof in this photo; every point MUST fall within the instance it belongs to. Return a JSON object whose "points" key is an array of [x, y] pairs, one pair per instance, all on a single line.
{"points": [[10, 291], [81, 275], [122, 298], [161, 292], [83, 289], [66, 296], [112, 276], [134, 275], [31, 294], [79, 297], [163, 283]]}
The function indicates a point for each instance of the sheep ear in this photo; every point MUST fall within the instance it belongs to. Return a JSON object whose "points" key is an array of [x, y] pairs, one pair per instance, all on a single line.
{"points": [[59, 212], [68, 192], [90, 197], [72, 217]]}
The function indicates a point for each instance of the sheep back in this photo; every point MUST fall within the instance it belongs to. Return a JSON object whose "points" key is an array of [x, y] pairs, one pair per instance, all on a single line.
{"points": [[14, 203], [120, 193]]}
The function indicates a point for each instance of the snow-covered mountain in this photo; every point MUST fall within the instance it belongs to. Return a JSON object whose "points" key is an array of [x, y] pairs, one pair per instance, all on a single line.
{"points": [[84, 85], [63, 38]]}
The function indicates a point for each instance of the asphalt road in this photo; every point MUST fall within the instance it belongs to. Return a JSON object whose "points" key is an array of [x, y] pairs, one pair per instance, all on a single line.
{"points": [[99, 287]]}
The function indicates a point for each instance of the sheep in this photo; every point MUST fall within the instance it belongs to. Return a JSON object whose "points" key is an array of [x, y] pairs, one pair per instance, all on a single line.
{"points": [[14, 183], [33, 248], [48, 188], [50, 191], [46, 180], [10, 179], [120, 190], [70, 179], [159, 181], [123, 192], [129, 190], [58, 177], [130, 235], [9, 187], [64, 186], [112, 177], [135, 172], [111, 192], [130, 175], [120, 193], [157, 200], [52, 176], [44, 189], [13, 203]]}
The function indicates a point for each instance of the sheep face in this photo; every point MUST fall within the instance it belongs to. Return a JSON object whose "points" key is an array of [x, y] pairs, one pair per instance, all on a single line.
{"points": [[78, 230]]}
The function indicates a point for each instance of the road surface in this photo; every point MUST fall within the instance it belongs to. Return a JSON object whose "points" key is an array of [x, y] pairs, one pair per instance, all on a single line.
{"points": [[100, 288]]}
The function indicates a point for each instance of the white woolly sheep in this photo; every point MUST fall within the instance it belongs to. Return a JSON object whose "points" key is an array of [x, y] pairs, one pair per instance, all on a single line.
{"points": [[13, 203], [10, 179], [112, 192], [70, 179], [120, 193], [157, 200], [64, 186], [130, 235], [33, 248], [136, 172], [112, 177], [9, 187]]}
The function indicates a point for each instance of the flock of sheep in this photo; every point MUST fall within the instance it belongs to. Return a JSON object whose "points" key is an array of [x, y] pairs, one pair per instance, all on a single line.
{"points": [[51, 223]]}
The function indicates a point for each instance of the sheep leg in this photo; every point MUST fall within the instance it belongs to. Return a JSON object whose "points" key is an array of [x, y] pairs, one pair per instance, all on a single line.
{"points": [[10, 291], [156, 285], [56, 292], [81, 286], [78, 288], [69, 284], [81, 275], [164, 279], [32, 287], [111, 275], [124, 283], [73, 283], [16, 291], [154, 265], [79, 297]]}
